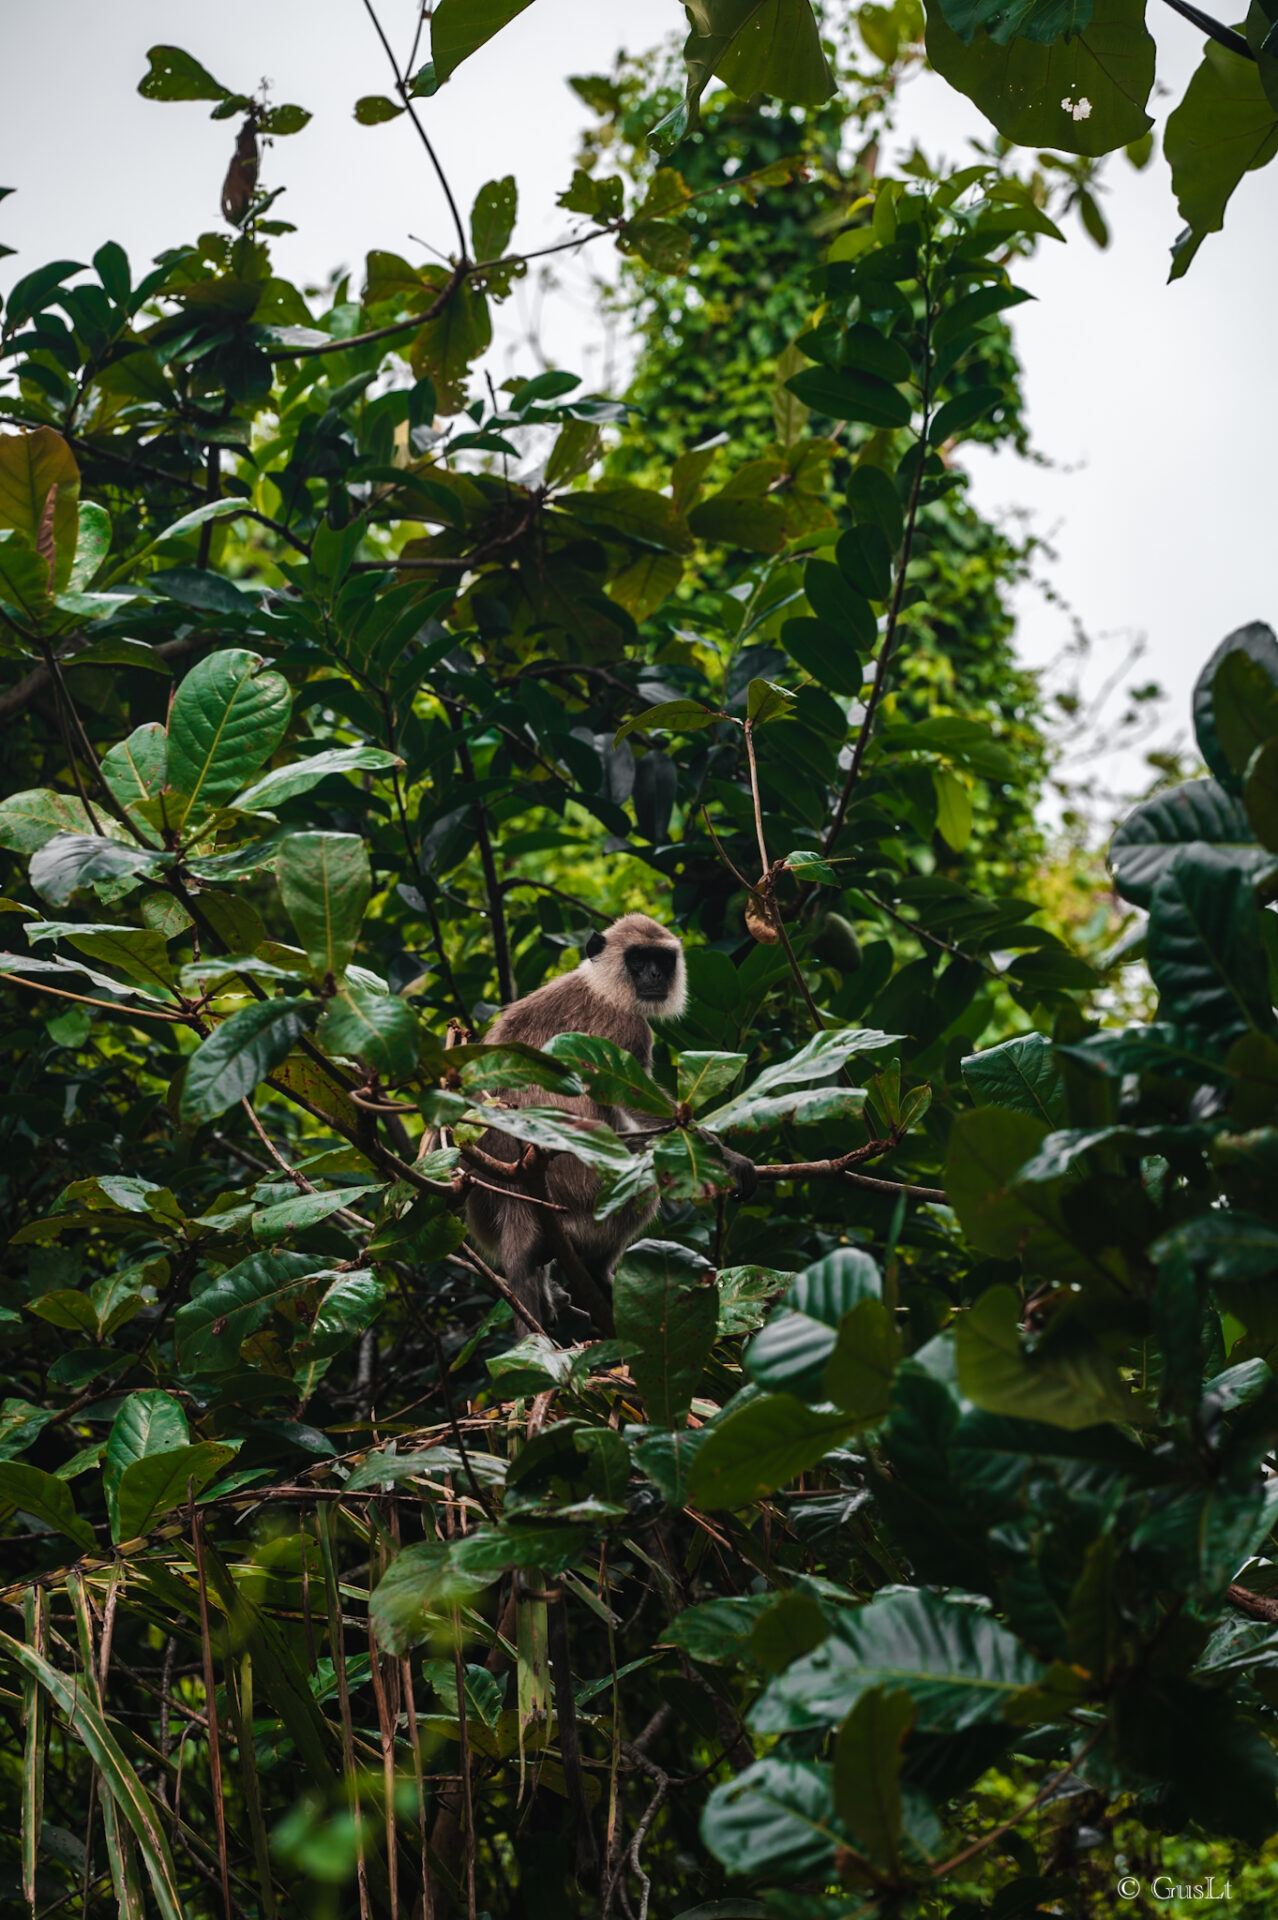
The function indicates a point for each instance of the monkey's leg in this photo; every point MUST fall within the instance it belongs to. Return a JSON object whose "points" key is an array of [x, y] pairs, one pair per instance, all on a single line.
{"points": [[525, 1260]]}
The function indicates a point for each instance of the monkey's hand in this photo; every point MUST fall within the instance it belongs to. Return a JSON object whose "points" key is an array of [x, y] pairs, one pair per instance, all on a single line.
{"points": [[745, 1178]]}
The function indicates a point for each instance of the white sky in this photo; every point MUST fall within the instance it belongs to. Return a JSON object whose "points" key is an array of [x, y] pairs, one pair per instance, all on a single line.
{"points": [[1152, 401]]}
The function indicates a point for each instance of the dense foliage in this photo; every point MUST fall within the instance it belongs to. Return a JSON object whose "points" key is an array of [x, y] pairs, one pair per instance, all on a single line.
{"points": [[919, 1494]]}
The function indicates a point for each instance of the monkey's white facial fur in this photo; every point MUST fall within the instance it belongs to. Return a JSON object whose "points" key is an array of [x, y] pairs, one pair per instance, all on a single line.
{"points": [[637, 965]]}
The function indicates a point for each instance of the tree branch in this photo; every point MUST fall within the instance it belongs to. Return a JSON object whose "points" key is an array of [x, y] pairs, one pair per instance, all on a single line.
{"points": [[1214, 29]]}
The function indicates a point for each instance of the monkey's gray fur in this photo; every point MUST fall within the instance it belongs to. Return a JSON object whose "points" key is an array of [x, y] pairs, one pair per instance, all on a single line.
{"points": [[632, 974]]}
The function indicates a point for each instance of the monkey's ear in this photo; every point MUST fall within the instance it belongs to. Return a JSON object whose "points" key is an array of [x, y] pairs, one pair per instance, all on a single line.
{"points": [[595, 946]]}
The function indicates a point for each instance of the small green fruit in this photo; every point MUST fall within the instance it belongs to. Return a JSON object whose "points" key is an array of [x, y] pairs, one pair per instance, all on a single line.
{"points": [[835, 943]]}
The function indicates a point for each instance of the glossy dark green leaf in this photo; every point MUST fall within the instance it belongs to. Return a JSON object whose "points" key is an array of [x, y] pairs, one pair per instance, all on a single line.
{"points": [[45, 1498], [760, 1446], [1022, 1075], [827, 652], [959, 1666], [851, 396], [775, 1820], [377, 1028], [671, 716], [613, 1076], [1086, 94], [790, 1353], [962, 412], [666, 1307], [1043, 21], [68, 863], [858, 1373], [1223, 127], [987, 1149], [875, 502], [867, 1771], [239, 1054], [835, 601], [228, 716], [210, 1328], [1204, 945], [1258, 643], [325, 883], [1077, 1388], [174, 75], [1244, 705], [153, 1486], [460, 27], [865, 560], [1149, 840], [284, 783]]}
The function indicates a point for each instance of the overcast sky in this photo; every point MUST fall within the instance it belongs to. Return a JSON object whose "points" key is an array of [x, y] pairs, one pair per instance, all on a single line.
{"points": [[1152, 401]]}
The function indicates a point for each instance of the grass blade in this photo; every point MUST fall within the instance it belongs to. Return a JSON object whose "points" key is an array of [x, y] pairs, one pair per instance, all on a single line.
{"points": [[35, 1607]]}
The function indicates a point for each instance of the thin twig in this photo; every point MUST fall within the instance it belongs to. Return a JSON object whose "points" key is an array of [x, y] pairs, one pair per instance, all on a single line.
{"points": [[401, 87], [1005, 1826]]}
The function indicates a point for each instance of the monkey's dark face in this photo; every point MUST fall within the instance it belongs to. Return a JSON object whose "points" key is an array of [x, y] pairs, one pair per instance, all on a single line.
{"points": [[651, 972]]}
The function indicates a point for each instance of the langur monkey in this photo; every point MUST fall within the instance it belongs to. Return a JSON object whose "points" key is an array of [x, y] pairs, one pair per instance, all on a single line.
{"points": [[629, 976]]}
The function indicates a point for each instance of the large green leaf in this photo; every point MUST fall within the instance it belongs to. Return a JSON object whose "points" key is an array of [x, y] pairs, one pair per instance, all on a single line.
{"points": [[845, 395], [239, 1054], [1086, 94], [1223, 127], [325, 883], [228, 716], [28, 819], [867, 1771], [459, 27], [1022, 1075], [45, 1497], [1204, 946], [149, 1422], [776, 1820], [760, 46], [960, 1667], [377, 1028], [858, 1374], [819, 1060], [36, 467], [285, 783], [1076, 1387], [159, 1482], [139, 952], [987, 1149], [1258, 643], [761, 1445], [613, 1076], [789, 1354], [209, 1329], [69, 862], [667, 1314], [1149, 839], [1043, 21]]}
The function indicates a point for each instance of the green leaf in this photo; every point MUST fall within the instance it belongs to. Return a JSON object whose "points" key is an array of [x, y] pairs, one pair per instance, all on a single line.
{"points": [[766, 702], [137, 768], [667, 1315], [957, 1664], [1260, 796], [416, 1594], [445, 347], [28, 820], [1021, 1076], [826, 652], [703, 1076], [987, 1149], [305, 1210], [671, 716], [1204, 946], [776, 1820], [149, 1422], [1086, 94], [1043, 21], [760, 46], [820, 1059], [1148, 842], [759, 1446], [37, 466], [1223, 127], [89, 1730], [348, 1304], [228, 716], [377, 1028], [24, 577], [239, 1054], [835, 601], [953, 808], [962, 412], [46, 1498], [845, 395], [69, 862], [790, 1353], [139, 952], [1258, 643], [717, 1632], [325, 882], [1072, 1388], [284, 783], [459, 27], [92, 545], [174, 75], [158, 1483], [867, 1771], [210, 1329], [1244, 702], [613, 1076], [492, 218], [858, 1374], [374, 109]]}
